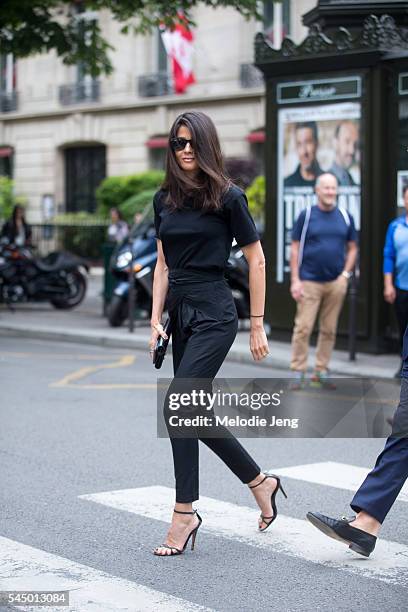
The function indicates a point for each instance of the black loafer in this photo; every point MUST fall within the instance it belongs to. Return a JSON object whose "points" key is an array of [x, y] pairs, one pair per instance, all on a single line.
{"points": [[358, 540]]}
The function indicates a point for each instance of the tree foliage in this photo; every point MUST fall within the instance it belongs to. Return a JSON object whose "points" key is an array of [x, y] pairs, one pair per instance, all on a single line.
{"points": [[8, 199], [256, 197], [37, 26]]}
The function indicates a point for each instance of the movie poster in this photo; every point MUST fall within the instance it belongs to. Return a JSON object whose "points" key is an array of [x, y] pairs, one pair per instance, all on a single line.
{"points": [[313, 140]]}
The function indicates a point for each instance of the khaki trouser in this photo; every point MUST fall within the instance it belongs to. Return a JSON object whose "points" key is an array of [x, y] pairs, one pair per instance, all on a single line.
{"points": [[329, 297]]}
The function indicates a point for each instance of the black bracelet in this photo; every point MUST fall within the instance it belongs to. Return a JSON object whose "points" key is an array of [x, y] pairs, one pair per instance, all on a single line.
{"points": [[256, 315]]}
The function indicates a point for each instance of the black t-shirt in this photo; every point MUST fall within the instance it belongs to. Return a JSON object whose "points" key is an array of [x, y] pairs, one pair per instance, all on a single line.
{"points": [[196, 240]]}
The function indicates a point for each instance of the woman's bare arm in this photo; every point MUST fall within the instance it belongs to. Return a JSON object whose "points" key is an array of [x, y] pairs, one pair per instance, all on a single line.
{"points": [[257, 287], [160, 288]]}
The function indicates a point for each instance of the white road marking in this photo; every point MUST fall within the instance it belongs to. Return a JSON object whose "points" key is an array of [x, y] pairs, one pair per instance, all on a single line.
{"points": [[289, 536], [26, 568], [332, 474]]}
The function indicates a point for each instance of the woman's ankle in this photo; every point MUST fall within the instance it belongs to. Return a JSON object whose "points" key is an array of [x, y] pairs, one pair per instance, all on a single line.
{"points": [[183, 507], [257, 480]]}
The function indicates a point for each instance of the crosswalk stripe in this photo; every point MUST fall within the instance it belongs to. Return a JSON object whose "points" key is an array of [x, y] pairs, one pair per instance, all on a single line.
{"points": [[333, 474], [289, 536], [25, 568]]}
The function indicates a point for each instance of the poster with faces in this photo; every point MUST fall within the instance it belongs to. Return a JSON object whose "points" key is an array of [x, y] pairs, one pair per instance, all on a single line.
{"points": [[313, 140]]}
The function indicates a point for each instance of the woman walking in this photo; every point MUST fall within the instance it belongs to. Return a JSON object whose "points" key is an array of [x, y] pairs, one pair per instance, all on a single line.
{"points": [[198, 212]]}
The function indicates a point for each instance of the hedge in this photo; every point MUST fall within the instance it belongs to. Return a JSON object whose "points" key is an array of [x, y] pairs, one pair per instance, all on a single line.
{"points": [[136, 204], [116, 190], [256, 197]]}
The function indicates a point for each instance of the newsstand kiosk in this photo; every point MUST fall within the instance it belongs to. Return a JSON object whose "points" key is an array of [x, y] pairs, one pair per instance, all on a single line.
{"points": [[338, 102]]}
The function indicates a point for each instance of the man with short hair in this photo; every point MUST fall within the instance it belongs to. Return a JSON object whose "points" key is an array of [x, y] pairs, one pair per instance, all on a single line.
{"points": [[345, 145], [306, 140], [323, 255], [395, 268]]}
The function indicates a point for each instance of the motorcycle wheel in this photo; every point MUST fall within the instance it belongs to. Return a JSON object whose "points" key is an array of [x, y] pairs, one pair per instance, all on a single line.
{"points": [[76, 295], [117, 311]]}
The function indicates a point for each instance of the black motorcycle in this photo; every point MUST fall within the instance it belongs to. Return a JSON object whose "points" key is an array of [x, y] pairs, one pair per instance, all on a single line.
{"points": [[139, 251], [59, 278]]}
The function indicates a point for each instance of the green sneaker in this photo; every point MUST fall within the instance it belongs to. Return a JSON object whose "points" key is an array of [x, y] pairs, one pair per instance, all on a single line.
{"points": [[321, 380]]}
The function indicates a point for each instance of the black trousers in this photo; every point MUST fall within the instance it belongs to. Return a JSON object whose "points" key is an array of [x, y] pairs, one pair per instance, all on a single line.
{"points": [[204, 326], [380, 489], [401, 310]]}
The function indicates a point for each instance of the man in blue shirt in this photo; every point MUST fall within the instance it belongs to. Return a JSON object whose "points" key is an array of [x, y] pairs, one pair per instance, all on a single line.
{"points": [[395, 267], [376, 496], [323, 254]]}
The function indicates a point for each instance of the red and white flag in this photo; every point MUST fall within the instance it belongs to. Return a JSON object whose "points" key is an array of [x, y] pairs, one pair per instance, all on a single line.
{"points": [[178, 43]]}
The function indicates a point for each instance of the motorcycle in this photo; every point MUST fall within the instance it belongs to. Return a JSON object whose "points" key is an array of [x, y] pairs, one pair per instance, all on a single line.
{"points": [[140, 251], [59, 278]]}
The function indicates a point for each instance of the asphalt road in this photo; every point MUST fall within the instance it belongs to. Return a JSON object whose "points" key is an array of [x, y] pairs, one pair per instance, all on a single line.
{"points": [[81, 420]]}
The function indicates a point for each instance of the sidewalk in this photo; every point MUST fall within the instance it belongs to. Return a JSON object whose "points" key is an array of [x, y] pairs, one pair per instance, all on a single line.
{"points": [[86, 324]]}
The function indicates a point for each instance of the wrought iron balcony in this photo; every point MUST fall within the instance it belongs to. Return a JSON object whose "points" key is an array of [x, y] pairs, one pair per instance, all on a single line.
{"points": [[76, 93], [8, 101], [158, 84], [250, 76]]}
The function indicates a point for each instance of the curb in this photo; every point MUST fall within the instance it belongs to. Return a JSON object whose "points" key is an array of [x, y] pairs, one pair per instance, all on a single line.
{"points": [[237, 354], [139, 342]]}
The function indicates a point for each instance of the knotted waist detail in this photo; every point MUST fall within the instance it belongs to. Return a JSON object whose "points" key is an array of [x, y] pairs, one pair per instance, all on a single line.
{"points": [[196, 289], [181, 276]]}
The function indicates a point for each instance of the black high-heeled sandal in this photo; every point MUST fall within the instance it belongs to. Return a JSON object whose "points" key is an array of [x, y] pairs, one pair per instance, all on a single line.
{"points": [[179, 551], [275, 511]]}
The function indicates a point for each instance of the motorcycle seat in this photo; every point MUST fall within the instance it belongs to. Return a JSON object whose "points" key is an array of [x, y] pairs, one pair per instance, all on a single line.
{"points": [[48, 265]]}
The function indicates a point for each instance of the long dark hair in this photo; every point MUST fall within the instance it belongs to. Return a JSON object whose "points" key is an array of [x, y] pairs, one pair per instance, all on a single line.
{"points": [[211, 181]]}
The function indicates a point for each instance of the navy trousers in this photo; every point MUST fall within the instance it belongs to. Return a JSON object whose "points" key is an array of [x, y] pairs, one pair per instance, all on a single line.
{"points": [[204, 326], [380, 489]]}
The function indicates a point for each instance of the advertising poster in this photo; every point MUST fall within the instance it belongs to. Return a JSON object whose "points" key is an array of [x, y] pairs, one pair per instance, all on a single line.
{"points": [[313, 140], [402, 182]]}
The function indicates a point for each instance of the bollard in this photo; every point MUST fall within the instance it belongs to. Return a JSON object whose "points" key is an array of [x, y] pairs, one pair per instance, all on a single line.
{"points": [[352, 317], [132, 296]]}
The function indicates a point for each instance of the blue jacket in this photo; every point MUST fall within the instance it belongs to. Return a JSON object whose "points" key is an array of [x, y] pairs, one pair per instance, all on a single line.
{"points": [[396, 252]]}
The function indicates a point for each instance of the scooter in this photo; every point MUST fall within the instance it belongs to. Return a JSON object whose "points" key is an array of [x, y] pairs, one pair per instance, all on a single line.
{"points": [[138, 253], [59, 278], [237, 274]]}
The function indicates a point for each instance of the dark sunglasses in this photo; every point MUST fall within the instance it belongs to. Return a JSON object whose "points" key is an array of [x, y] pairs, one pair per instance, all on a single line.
{"points": [[179, 144]]}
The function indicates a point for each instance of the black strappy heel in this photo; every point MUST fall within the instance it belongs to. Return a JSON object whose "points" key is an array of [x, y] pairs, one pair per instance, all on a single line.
{"points": [[275, 511], [193, 533]]}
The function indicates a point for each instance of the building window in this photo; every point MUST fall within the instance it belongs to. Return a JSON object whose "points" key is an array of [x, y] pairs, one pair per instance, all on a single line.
{"points": [[256, 140], [87, 87], [157, 146], [85, 168], [162, 59], [276, 20], [6, 161], [8, 93]]}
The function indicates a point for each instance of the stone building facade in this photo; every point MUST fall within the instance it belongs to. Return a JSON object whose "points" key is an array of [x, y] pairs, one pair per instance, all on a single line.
{"points": [[61, 132]]}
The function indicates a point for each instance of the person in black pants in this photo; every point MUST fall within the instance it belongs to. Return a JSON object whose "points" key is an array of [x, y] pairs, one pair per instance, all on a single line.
{"points": [[198, 212]]}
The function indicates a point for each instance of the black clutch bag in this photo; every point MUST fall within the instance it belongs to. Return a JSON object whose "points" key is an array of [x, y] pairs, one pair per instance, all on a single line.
{"points": [[161, 345]]}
